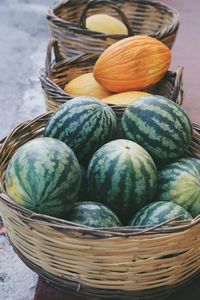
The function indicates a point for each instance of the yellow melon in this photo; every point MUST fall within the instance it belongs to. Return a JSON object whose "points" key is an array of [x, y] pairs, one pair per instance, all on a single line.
{"points": [[125, 98], [106, 24], [86, 85]]}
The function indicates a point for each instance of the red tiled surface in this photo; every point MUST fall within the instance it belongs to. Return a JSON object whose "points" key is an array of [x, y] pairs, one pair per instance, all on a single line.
{"points": [[186, 52]]}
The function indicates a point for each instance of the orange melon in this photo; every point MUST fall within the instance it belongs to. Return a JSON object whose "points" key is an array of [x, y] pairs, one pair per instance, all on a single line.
{"points": [[134, 63]]}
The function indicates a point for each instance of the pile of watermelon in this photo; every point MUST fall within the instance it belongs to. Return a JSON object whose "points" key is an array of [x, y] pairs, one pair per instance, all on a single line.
{"points": [[82, 172]]}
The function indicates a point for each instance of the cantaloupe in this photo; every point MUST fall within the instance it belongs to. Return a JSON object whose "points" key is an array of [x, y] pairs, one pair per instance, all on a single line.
{"points": [[132, 64], [86, 85], [125, 98]]}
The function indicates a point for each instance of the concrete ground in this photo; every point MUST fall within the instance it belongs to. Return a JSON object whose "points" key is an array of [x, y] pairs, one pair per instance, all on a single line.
{"points": [[24, 35]]}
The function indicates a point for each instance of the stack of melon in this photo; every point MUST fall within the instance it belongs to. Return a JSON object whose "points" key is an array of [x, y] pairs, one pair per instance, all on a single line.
{"points": [[124, 71], [81, 172]]}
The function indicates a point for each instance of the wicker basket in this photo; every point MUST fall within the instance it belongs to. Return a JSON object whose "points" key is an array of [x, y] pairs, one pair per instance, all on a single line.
{"points": [[112, 263], [67, 23], [57, 74]]}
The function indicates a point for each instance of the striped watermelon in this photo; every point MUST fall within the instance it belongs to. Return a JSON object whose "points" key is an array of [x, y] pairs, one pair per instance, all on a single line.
{"points": [[179, 182], [159, 212], [84, 124], [84, 193], [159, 125], [123, 176], [44, 176], [93, 214]]}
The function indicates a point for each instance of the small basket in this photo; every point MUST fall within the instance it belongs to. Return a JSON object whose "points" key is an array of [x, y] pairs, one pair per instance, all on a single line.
{"points": [[67, 23], [59, 73], [134, 263]]}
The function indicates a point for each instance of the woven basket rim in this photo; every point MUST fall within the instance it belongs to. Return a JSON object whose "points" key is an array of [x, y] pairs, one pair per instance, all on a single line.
{"points": [[59, 63], [164, 32], [125, 231], [43, 76]]}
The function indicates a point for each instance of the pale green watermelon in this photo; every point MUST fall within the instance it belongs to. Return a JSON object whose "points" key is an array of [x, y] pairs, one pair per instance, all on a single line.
{"points": [[179, 182]]}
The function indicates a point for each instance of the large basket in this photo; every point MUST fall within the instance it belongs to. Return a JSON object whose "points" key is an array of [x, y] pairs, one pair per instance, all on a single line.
{"points": [[57, 74], [67, 23], [114, 263]]}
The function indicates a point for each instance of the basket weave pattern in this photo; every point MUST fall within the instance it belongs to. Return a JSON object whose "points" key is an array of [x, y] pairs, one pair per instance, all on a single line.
{"points": [[141, 17], [136, 263], [110, 263], [59, 73]]}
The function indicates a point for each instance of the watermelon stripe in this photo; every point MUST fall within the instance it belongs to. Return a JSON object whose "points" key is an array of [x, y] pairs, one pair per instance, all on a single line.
{"points": [[147, 181], [43, 189], [84, 124], [108, 169], [180, 182], [72, 109], [76, 140], [44, 176], [122, 178], [188, 168], [158, 125], [141, 138], [93, 214], [174, 112], [78, 119], [47, 189], [24, 177], [76, 112], [20, 180], [120, 173], [92, 135], [159, 212]]}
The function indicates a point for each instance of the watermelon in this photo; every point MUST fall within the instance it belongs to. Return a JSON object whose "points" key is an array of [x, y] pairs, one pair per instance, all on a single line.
{"points": [[123, 176], [84, 192], [93, 214], [84, 124], [44, 176], [179, 182], [159, 212], [160, 126]]}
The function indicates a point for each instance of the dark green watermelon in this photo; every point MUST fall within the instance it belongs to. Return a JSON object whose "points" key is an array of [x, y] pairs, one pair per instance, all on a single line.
{"points": [[84, 124], [44, 176], [93, 214], [84, 193], [159, 212], [179, 182], [159, 125], [123, 176]]}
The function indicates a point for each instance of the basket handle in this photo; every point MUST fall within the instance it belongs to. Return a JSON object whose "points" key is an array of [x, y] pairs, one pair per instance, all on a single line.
{"points": [[177, 85], [52, 47], [1, 142], [112, 4]]}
